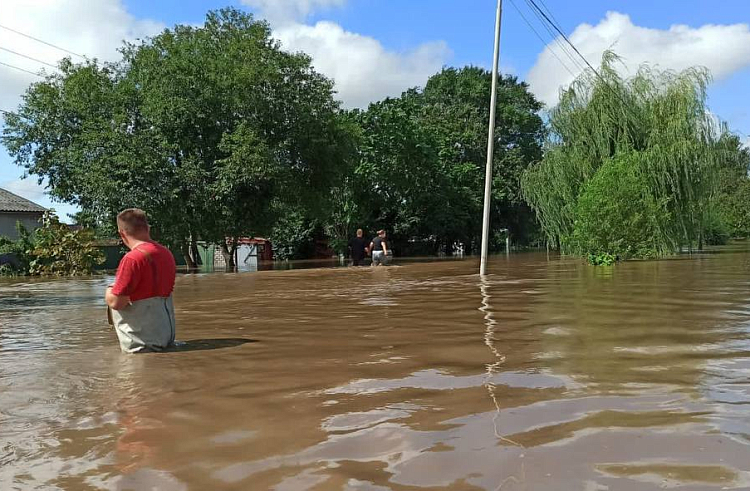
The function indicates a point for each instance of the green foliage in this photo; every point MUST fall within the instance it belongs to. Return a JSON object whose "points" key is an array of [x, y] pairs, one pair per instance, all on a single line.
{"points": [[60, 251], [422, 159], [53, 249], [602, 259], [715, 229], [616, 215], [217, 132], [20, 249], [202, 127], [731, 210], [734, 209], [655, 122], [292, 237]]}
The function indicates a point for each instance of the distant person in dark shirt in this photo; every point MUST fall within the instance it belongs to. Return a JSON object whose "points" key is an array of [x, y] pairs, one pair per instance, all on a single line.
{"points": [[379, 249], [358, 249]]}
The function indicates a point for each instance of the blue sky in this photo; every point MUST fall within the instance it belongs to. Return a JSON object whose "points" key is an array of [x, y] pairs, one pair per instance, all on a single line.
{"points": [[374, 48]]}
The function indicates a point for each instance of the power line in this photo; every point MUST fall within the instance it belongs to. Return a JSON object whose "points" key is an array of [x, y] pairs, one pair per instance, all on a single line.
{"points": [[557, 28], [549, 12], [541, 39], [42, 41], [555, 38], [596, 72], [27, 57], [21, 69]]}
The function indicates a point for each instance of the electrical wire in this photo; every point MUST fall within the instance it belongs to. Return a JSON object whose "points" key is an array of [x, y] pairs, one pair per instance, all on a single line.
{"points": [[557, 28], [21, 69], [556, 38], [42, 41], [27, 57], [570, 43], [545, 43]]}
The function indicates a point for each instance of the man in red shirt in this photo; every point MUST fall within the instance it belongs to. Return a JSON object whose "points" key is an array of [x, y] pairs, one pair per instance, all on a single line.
{"points": [[141, 297]]}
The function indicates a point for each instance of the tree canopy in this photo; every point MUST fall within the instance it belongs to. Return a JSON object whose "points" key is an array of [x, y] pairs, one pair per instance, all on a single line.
{"points": [[631, 165], [219, 133], [212, 129], [421, 163]]}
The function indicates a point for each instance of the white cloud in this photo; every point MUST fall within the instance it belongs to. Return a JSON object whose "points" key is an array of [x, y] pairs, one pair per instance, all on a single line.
{"points": [[29, 189], [26, 188], [283, 11], [362, 68], [364, 71], [91, 28], [723, 49]]}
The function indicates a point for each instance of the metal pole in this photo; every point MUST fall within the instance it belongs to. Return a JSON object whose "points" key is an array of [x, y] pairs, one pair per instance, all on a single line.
{"points": [[490, 146]]}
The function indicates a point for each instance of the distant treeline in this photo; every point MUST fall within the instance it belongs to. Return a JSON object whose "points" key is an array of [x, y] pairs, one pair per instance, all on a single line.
{"points": [[218, 133]]}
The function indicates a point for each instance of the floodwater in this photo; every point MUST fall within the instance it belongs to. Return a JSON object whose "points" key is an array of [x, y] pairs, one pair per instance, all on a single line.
{"points": [[547, 375]]}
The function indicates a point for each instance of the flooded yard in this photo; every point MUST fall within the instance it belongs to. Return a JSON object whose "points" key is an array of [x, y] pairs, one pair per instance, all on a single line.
{"points": [[546, 375]]}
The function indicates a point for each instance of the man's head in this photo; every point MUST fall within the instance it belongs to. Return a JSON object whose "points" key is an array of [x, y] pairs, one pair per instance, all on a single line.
{"points": [[132, 226], [381, 233], [359, 232]]}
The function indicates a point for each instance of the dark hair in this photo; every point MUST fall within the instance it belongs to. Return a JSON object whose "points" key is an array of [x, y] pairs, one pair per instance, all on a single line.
{"points": [[132, 221]]}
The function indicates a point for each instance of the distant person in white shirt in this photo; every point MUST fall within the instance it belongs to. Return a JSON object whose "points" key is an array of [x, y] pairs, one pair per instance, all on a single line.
{"points": [[379, 249]]}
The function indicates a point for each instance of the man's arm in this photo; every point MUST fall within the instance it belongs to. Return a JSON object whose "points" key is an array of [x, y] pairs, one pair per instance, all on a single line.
{"points": [[118, 294], [116, 302], [385, 248]]}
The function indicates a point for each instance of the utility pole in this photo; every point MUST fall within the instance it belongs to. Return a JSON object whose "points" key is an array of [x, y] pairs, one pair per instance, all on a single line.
{"points": [[490, 146]]}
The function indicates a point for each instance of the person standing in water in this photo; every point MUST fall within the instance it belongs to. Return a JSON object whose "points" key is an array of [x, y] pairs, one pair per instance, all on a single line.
{"points": [[358, 248], [379, 249], [141, 297]]}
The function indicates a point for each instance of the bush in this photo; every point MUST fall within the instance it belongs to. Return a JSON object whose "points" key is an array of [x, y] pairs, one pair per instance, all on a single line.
{"points": [[734, 209], [19, 250], [602, 259], [60, 251], [293, 237], [615, 217], [715, 229]]}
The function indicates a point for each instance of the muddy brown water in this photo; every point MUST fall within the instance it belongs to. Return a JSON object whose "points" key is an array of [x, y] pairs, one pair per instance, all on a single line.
{"points": [[546, 375]]}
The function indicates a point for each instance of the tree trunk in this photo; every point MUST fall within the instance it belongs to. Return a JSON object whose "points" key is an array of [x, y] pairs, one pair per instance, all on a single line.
{"points": [[229, 251], [233, 255], [185, 250], [194, 250], [228, 258]]}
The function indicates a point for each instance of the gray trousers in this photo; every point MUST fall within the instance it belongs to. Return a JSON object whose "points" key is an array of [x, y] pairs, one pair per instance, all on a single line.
{"points": [[145, 325]]}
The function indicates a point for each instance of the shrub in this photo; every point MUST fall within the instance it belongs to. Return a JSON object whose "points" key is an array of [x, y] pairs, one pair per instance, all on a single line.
{"points": [[58, 250], [615, 216]]}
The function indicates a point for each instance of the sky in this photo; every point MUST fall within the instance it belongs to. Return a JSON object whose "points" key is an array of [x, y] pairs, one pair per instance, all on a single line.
{"points": [[378, 48]]}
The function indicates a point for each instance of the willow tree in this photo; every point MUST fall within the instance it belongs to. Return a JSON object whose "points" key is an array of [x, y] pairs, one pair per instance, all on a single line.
{"points": [[630, 163]]}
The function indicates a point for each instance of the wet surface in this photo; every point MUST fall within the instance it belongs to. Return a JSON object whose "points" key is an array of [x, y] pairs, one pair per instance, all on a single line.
{"points": [[546, 375]]}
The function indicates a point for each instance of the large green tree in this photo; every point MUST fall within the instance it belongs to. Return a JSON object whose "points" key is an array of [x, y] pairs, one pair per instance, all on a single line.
{"points": [[214, 130], [630, 166], [421, 168]]}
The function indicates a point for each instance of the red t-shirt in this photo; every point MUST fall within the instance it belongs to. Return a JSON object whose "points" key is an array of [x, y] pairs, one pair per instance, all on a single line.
{"points": [[146, 271]]}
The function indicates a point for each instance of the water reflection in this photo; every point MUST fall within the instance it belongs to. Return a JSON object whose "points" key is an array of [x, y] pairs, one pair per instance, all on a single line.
{"points": [[545, 375], [495, 366]]}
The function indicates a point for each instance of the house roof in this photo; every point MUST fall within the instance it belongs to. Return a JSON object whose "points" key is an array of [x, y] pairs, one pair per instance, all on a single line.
{"points": [[13, 202]]}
